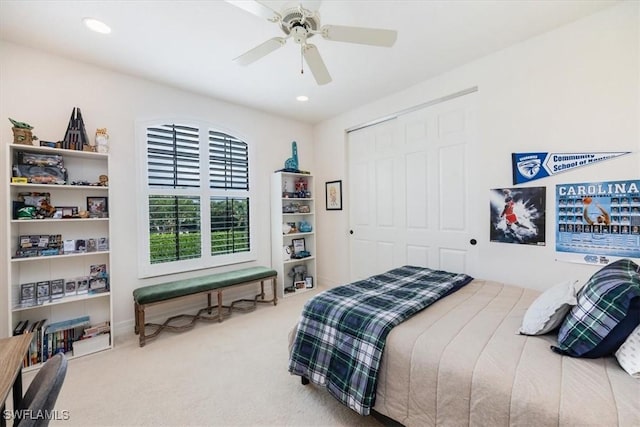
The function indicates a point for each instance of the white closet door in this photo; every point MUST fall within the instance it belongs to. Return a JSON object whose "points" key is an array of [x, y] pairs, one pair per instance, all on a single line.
{"points": [[412, 191]]}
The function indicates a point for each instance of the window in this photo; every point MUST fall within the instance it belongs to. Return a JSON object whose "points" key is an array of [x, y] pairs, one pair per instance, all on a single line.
{"points": [[196, 184]]}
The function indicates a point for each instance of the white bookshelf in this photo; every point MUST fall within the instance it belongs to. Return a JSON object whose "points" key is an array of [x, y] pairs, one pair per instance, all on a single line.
{"points": [[81, 166], [291, 207]]}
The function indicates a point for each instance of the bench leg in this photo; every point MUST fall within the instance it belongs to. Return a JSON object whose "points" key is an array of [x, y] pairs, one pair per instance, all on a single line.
{"points": [[135, 316], [219, 306], [209, 302], [140, 321], [275, 294]]}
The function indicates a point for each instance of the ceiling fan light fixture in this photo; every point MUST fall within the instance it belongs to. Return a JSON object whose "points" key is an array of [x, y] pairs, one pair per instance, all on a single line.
{"points": [[302, 98], [300, 24], [96, 25]]}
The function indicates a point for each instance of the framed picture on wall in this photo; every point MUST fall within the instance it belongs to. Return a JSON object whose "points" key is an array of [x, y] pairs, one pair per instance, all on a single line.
{"points": [[333, 194]]}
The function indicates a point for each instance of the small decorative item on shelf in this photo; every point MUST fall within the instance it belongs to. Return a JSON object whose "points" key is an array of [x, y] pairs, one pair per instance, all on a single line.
{"points": [[22, 133], [286, 228], [304, 209], [286, 253], [298, 273], [304, 227], [291, 208], [102, 141], [103, 181], [291, 164], [75, 138]]}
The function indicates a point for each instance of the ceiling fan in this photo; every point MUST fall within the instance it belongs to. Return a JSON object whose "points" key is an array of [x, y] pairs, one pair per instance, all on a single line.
{"points": [[300, 24]]}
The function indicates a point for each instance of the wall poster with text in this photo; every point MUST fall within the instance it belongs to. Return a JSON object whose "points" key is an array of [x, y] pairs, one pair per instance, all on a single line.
{"points": [[599, 220], [518, 215]]}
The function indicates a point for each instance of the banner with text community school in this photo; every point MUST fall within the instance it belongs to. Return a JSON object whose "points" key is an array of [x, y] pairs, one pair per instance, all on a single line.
{"points": [[598, 221], [529, 166]]}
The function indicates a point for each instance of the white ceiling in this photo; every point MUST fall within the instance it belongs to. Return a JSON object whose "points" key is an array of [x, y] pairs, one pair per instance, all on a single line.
{"points": [[191, 44]]}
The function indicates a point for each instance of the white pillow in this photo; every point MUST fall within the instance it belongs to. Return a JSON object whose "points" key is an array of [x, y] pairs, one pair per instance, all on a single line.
{"points": [[628, 354], [548, 310]]}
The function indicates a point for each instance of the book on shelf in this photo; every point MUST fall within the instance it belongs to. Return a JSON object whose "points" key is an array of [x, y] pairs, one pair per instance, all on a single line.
{"points": [[34, 354], [59, 336]]}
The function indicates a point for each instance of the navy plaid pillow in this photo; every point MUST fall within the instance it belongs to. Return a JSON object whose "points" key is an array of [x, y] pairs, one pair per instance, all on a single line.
{"points": [[608, 310]]}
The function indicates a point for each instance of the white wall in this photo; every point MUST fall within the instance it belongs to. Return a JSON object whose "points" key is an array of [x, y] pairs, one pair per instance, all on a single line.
{"points": [[42, 89], [573, 89]]}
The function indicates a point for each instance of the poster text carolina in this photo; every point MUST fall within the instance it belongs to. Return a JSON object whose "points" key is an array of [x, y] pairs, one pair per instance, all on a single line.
{"points": [[596, 189]]}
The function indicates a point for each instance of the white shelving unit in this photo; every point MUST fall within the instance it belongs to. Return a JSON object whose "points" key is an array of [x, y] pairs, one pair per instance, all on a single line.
{"points": [[289, 206], [80, 166]]}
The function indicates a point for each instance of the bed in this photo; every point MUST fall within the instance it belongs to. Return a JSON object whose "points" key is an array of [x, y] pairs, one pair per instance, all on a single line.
{"points": [[461, 361]]}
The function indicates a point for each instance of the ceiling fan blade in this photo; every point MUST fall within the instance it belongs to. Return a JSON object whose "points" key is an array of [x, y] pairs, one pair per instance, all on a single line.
{"points": [[312, 5], [259, 51], [316, 64], [370, 36], [257, 8]]}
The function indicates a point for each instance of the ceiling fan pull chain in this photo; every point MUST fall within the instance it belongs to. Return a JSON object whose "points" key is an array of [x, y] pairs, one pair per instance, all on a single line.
{"points": [[301, 59]]}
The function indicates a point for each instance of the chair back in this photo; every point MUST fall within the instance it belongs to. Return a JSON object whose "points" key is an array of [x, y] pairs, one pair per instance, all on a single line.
{"points": [[37, 405]]}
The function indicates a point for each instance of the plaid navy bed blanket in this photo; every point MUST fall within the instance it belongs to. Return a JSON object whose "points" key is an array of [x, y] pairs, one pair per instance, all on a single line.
{"points": [[342, 332]]}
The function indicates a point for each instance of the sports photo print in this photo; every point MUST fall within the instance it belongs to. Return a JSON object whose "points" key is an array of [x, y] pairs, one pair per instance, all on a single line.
{"points": [[518, 215]]}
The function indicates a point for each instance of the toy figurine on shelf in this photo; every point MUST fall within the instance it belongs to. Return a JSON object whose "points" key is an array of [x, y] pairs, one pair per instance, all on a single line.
{"points": [[301, 188], [22, 133], [102, 141]]}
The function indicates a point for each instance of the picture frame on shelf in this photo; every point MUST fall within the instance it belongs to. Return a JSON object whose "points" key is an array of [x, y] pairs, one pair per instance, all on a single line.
{"points": [[308, 282], [66, 212], [333, 195], [298, 245], [98, 207], [300, 284]]}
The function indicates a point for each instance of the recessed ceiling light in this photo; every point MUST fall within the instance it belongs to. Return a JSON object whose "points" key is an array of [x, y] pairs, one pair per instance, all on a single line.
{"points": [[97, 26], [302, 98]]}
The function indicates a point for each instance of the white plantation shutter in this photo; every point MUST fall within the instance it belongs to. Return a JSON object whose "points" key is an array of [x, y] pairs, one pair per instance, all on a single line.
{"points": [[173, 158], [228, 162], [181, 175]]}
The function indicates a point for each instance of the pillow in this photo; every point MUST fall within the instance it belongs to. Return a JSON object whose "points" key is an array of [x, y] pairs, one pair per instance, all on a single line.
{"points": [[547, 311], [608, 310], [628, 354]]}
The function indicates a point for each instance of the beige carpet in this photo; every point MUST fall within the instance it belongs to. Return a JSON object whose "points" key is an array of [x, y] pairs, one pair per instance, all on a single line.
{"points": [[228, 374]]}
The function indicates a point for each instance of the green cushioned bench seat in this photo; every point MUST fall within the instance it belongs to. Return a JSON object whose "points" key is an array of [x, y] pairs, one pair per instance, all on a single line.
{"points": [[212, 283]]}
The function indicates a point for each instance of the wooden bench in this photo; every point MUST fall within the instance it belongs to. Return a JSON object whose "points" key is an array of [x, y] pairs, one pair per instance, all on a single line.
{"points": [[156, 294]]}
